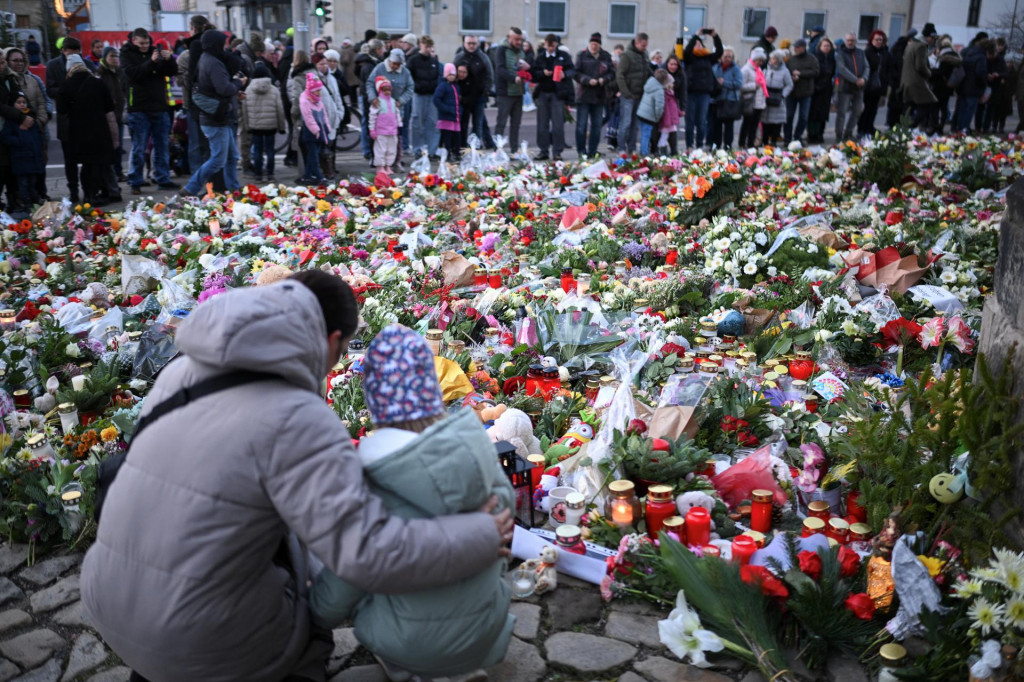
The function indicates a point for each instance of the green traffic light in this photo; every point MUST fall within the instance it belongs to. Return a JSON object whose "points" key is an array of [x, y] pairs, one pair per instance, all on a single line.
{"points": [[319, 11]]}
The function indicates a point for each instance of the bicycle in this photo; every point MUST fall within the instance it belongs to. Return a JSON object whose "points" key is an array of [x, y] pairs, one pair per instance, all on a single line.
{"points": [[348, 136]]}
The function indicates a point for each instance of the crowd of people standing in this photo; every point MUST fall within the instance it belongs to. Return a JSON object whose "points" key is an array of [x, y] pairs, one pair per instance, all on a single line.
{"points": [[238, 95]]}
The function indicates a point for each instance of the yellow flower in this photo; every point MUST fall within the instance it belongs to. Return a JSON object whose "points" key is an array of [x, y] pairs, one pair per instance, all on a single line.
{"points": [[323, 207], [933, 564], [396, 195], [108, 434]]}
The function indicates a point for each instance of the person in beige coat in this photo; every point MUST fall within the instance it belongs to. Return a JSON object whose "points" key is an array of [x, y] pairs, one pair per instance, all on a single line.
{"points": [[185, 581], [263, 118]]}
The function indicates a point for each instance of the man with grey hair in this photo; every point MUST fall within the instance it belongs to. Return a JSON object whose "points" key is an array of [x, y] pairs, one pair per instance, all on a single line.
{"points": [[853, 71]]}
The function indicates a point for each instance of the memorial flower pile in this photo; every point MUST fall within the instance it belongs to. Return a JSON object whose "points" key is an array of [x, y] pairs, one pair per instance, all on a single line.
{"points": [[760, 368]]}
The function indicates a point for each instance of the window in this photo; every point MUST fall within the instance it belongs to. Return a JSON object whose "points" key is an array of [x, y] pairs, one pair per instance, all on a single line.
{"points": [[551, 17], [622, 19], [973, 12], [812, 19], [475, 16], [755, 21], [23, 21], [896, 27], [393, 15], [868, 23], [694, 20]]}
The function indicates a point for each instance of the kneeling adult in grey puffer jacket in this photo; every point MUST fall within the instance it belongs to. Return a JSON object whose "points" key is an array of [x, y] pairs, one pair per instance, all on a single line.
{"points": [[182, 581]]}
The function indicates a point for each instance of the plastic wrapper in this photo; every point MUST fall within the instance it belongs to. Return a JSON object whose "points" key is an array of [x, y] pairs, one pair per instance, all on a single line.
{"points": [[173, 296], [76, 318], [753, 473], [140, 275], [574, 337], [443, 171], [113, 318], [156, 349], [422, 163], [684, 390], [472, 162], [803, 315], [574, 302], [880, 308], [916, 589], [134, 227], [571, 237], [586, 476], [523, 155], [499, 157]]}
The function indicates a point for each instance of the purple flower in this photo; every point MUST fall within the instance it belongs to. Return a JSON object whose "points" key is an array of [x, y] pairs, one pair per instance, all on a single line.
{"points": [[634, 251]]}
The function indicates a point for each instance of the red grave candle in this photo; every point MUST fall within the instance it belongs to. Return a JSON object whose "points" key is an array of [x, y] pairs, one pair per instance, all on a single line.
{"points": [[761, 511], [698, 527], [660, 506], [743, 547]]}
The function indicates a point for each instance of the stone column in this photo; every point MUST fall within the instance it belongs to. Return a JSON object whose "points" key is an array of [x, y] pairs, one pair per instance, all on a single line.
{"points": [[1003, 319]]}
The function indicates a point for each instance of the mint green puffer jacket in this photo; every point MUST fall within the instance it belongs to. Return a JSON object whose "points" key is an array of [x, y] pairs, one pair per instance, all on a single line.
{"points": [[451, 467]]}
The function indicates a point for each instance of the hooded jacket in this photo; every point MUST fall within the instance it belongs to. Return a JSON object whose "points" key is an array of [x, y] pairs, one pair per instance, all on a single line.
{"points": [[214, 79], [948, 61], [700, 79], [917, 74], [181, 581], [449, 468], [401, 83], [147, 79], [425, 71], [975, 72], [262, 110], [652, 103], [633, 72]]}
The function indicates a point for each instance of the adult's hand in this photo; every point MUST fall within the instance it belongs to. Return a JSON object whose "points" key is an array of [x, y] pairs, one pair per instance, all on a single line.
{"points": [[375, 103], [504, 523], [519, 80], [165, 54], [27, 123], [593, 81]]}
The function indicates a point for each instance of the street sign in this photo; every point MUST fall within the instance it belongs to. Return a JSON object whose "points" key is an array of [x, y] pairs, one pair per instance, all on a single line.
{"points": [[301, 26]]}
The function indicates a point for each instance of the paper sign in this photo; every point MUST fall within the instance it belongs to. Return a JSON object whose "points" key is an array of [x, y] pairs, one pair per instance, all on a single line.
{"points": [[527, 544], [943, 299]]}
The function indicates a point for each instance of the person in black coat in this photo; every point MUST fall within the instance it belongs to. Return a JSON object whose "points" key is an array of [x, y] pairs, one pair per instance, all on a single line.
{"points": [[426, 75], [878, 56], [594, 71], [975, 63], [894, 78], [479, 82], [11, 116], [700, 81], [821, 102], [553, 75], [34, 51], [85, 111]]}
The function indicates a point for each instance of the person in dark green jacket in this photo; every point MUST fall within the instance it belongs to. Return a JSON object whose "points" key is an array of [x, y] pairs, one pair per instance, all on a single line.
{"points": [[423, 464], [631, 76]]}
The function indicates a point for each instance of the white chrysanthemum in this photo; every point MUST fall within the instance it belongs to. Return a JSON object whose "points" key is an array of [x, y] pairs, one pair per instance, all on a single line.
{"points": [[750, 269], [761, 238], [985, 615], [812, 248], [1011, 569], [948, 277], [1014, 616], [772, 271]]}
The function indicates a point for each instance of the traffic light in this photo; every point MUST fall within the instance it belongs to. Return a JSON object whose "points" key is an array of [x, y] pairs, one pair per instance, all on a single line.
{"points": [[322, 10]]}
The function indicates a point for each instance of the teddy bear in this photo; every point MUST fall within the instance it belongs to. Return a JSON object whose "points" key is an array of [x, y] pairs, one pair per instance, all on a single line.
{"points": [[488, 411], [272, 274], [545, 568], [515, 427]]}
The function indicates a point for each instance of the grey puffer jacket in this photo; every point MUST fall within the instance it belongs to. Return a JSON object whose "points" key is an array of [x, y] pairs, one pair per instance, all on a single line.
{"points": [[262, 110], [780, 81], [181, 581]]}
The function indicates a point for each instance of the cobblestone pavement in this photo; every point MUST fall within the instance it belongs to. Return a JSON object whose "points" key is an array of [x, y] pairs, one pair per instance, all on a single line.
{"points": [[569, 635]]}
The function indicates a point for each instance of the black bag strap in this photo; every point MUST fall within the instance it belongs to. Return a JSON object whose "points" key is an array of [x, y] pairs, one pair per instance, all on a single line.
{"points": [[109, 467]]}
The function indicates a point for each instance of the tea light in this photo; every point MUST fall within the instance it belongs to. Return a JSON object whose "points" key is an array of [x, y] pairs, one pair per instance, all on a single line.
{"points": [[623, 507], [434, 337], [523, 583], [78, 382], [575, 505]]}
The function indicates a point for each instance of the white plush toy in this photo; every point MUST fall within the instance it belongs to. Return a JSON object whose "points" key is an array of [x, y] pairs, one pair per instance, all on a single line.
{"points": [[545, 568], [514, 426], [695, 498]]}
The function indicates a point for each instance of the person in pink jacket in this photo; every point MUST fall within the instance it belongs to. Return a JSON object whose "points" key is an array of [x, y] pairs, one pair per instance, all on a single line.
{"points": [[384, 125], [316, 130]]}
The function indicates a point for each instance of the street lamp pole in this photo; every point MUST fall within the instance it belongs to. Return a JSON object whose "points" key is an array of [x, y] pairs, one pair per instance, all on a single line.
{"points": [[300, 24], [681, 40]]}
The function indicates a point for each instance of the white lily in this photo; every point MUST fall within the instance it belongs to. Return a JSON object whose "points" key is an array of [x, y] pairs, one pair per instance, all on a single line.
{"points": [[681, 632]]}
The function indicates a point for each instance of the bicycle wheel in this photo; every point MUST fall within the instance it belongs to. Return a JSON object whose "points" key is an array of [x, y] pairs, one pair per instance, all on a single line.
{"points": [[349, 137]]}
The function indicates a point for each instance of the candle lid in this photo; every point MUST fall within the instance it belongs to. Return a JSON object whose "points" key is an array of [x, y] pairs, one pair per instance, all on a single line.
{"points": [[134, 336], [813, 523], [20, 392], [708, 368], [66, 408], [479, 271], [660, 493], [434, 335], [621, 487], [756, 536], [803, 354], [781, 370], [839, 524], [34, 441], [860, 529], [606, 380], [892, 652], [674, 522], [819, 506], [567, 532], [761, 495], [71, 495], [799, 384], [771, 376], [810, 397], [7, 312], [574, 501], [536, 459]]}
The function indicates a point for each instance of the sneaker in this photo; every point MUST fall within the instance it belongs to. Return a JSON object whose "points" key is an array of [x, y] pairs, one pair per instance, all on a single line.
{"points": [[183, 192], [136, 190], [556, 157], [169, 185], [543, 156]]}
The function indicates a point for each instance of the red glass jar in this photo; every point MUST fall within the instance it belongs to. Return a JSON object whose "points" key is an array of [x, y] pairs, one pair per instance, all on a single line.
{"points": [[22, 398], [698, 527], [838, 529], [860, 537], [537, 463], [853, 508], [761, 511], [812, 526], [811, 402], [675, 528], [570, 540], [660, 506], [709, 468], [494, 278], [819, 509], [593, 388], [535, 380], [802, 366], [673, 256], [711, 551], [399, 252], [392, 243], [480, 277], [568, 281], [743, 547]]}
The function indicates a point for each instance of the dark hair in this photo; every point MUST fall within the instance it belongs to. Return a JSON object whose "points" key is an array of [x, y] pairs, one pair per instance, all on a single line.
{"points": [[551, 39], [140, 33], [198, 22], [641, 36], [673, 58], [515, 29], [96, 41], [71, 44], [337, 302]]}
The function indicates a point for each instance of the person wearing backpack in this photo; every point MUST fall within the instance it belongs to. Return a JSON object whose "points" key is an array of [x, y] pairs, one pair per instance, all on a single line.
{"points": [[946, 78], [216, 95]]}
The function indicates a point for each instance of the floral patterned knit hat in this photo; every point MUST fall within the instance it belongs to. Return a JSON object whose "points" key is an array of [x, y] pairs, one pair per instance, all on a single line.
{"points": [[399, 380]]}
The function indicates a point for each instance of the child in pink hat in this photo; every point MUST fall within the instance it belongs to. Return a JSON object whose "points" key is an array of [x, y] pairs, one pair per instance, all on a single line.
{"points": [[385, 122], [448, 101], [315, 130]]}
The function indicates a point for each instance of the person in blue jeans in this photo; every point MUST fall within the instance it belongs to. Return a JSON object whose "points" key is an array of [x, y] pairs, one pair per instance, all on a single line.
{"points": [[975, 63], [214, 81], [594, 72], [147, 69], [700, 79]]}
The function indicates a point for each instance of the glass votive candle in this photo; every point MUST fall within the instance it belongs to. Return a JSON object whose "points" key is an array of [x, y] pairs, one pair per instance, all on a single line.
{"points": [[40, 447], [838, 529], [812, 526], [575, 506], [68, 417], [743, 547], [757, 537], [698, 527], [761, 511], [524, 581], [819, 509], [570, 539], [711, 551], [675, 528], [480, 277], [434, 338]]}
